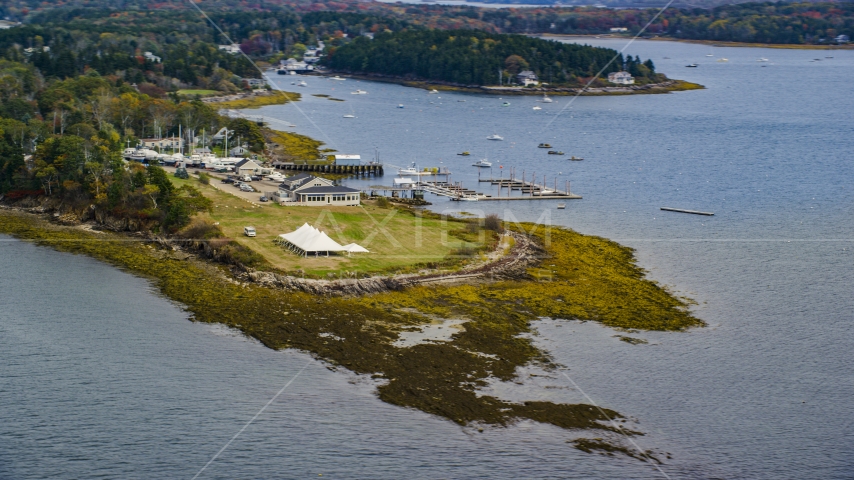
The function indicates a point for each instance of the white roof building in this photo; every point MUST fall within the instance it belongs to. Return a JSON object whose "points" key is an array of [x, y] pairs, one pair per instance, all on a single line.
{"points": [[151, 57], [621, 78], [307, 239]]}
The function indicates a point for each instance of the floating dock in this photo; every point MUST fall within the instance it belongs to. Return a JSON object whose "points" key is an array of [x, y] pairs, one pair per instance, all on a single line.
{"points": [[681, 210]]}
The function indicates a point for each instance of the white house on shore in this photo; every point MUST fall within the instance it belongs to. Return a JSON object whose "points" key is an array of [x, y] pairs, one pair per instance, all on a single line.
{"points": [[233, 49], [621, 78], [527, 77], [307, 190]]}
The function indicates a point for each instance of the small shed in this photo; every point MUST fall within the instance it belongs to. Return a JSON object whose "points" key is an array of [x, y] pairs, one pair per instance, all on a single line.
{"points": [[246, 167]]}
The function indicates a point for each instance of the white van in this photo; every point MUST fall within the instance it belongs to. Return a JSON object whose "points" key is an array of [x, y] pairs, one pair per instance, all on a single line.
{"points": [[249, 231]]}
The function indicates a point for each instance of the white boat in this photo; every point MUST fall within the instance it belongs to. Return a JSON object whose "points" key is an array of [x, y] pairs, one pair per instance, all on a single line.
{"points": [[482, 163], [349, 115], [546, 99], [336, 77], [505, 104], [464, 199], [538, 108], [195, 159], [722, 60], [359, 92], [561, 206], [411, 170], [433, 91], [302, 84], [275, 177], [495, 136], [399, 105], [763, 59]]}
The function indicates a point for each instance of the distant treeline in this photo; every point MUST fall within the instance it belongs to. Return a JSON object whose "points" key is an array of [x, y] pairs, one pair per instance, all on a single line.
{"points": [[473, 57]]}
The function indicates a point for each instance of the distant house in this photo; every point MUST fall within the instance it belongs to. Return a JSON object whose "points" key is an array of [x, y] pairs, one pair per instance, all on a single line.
{"points": [[621, 78], [347, 159], [307, 190], [246, 167], [233, 49], [220, 135], [31, 50], [4, 24], [238, 151], [151, 57], [163, 143], [527, 77], [292, 65], [619, 29], [842, 39], [255, 82]]}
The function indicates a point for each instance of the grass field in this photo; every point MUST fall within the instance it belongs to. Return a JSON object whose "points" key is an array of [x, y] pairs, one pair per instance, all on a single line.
{"points": [[275, 98], [197, 92], [397, 239]]}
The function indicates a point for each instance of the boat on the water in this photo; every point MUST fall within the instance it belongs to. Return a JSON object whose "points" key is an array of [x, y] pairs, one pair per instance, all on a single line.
{"points": [[575, 159], [495, 136], [464, 154], [763, 59], [693, 65], [411, 170], [505, 104], [722, 60], [544, 145], [463, 198], [561, 206], [536, 107], [546, 99], [432, 91], [555, 152], [400, 105], [482, 163], [336, 77], [359, 92], [349, 115], [302, 84]]}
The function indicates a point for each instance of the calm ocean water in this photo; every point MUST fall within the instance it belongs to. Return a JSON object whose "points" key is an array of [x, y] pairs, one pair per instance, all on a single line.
{"points": [[103, 378]]}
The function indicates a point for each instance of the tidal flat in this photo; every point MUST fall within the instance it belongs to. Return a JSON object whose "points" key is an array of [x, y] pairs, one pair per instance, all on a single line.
{"points": [[576, 277]]}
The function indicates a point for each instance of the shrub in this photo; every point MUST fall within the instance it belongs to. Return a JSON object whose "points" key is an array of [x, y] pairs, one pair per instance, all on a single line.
{"points": [[204, 178], [493, 222], [383, 202]]}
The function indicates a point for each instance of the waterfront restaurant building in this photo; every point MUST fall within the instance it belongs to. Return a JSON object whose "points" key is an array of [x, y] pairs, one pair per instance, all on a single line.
{"points": [[310, 191]]}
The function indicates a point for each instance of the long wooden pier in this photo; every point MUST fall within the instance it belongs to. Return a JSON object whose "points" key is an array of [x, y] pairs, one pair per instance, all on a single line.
{"points": [[367, 170]]}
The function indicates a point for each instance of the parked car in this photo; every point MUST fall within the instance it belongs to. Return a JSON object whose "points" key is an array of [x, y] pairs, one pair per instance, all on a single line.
{"points": [[249, 231], [246, 188], [227, 180], [256, 178], [263, 198]]}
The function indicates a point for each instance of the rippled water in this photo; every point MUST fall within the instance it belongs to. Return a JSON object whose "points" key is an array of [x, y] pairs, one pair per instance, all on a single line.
{"points": [[102, 378]]}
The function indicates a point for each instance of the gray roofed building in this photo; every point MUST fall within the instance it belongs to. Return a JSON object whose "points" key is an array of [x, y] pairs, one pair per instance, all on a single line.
{"points": [[308, 190]]}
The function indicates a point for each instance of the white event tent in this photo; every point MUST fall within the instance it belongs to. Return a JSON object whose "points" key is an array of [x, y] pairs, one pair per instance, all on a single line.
{"points": [[307, 239]]}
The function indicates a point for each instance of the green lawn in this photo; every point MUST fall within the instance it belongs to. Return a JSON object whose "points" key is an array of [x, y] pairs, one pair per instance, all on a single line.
{"points": [[397, 239]]}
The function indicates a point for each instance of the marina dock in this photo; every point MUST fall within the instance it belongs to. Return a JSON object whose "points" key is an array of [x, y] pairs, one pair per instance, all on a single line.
{"points": [[693, 212]]}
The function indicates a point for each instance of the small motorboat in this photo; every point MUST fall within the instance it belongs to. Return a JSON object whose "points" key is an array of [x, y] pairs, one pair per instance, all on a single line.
{"points": [[461, 101], [555, 152], [722, 60], [544, 145], [433, 91], [693, 65], [482, 163], [464, 199], [336, 77], [464, 154], [763, 59], [349, 115], [561, 206], [359, 92], [538, 107], [495, 136], [546, 99], [302, 84], [575, 159], [505, 104], [400, 105]]}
